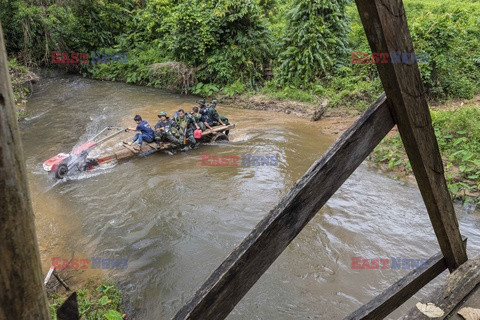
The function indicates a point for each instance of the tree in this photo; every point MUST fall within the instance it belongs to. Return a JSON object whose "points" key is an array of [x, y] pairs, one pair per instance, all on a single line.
{"points": [[314, 42]]}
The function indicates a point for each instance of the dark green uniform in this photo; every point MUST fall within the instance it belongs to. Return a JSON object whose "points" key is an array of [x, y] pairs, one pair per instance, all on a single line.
{"points": [[213, 114]]}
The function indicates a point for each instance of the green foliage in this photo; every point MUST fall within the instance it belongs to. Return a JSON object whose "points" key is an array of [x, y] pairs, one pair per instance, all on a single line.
{"points": [[223, 40], [205, 90], [289, 92], [448, 31], [314, 42], [37, 28], [100, 304], [229, 44], [458, 135], [238, 87], [452, 38]]}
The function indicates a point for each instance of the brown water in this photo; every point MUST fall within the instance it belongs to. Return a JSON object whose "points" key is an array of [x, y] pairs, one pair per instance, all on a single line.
{"points": [[176, 220]]}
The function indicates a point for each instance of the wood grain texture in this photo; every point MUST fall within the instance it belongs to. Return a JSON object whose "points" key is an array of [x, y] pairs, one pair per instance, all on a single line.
{"points": [[386, 28], [452, 295], [22, 295], [246, 264]]}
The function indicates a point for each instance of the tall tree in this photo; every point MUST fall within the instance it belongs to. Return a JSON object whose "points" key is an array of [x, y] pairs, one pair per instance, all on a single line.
{"points": [[315, 40]]}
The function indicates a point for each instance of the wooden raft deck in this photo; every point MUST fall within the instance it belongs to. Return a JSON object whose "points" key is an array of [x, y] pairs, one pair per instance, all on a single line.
{"points": [[461, 290], [147, 148]]}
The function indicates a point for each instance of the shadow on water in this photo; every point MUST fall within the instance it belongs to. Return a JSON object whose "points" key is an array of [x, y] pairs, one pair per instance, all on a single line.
{"points": [[176, 220]]}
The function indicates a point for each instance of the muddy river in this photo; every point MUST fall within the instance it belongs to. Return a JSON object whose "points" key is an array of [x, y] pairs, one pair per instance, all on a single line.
{"points": [[176, 220]]}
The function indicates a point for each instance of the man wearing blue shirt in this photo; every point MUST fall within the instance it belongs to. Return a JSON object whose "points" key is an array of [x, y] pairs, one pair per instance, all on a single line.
{"points": [[146, 132]]}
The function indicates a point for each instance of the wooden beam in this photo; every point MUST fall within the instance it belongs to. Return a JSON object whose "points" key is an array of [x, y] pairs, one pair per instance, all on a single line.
{"points": [[239, 272], [385, 25], [454, 293], [401, 291], [22, 295]]}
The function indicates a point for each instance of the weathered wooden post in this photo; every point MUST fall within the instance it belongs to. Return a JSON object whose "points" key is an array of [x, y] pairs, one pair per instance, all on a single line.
{"points": [[386, 27], [22, 295]]}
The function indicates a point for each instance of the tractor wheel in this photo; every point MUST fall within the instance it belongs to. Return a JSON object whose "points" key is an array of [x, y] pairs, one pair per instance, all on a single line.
{"points": [[61, 172], [220, 136]]}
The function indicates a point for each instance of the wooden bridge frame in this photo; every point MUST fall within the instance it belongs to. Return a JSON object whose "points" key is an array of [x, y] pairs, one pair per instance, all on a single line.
{"points": [[403, 104]]}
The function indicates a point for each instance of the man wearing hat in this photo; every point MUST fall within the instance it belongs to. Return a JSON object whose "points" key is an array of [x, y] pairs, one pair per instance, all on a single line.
{"points": [[201, 103], [166, 130]]}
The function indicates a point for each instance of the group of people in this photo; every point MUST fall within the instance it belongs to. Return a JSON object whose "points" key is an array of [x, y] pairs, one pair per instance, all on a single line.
{"points": [[179, 129]]}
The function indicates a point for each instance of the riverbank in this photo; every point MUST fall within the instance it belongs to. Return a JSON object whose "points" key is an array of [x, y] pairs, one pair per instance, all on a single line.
{"points": [[96, 300], [334, 120]]}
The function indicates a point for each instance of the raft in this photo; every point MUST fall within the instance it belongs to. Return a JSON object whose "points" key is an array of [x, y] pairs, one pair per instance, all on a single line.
{"points": [[215, 134]]}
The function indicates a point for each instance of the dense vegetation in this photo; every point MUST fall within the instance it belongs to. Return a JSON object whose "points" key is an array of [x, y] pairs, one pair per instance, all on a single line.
{"points": [[296, 49]]}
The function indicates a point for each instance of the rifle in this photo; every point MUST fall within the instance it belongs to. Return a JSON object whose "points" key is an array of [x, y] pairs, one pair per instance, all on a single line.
{"points": [[185, 133]]}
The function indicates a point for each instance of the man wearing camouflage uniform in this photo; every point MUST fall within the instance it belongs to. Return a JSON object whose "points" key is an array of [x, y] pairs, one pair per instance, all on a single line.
{"points": [[214, 116], [187, 124], [167, 130]]}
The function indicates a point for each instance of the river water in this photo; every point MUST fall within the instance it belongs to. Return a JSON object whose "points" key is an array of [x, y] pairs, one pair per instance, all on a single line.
{"points": [[176, 220]]}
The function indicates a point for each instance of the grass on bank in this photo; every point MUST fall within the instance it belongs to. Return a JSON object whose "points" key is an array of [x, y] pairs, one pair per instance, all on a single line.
{"points": [[458, 134], [101, 303]]}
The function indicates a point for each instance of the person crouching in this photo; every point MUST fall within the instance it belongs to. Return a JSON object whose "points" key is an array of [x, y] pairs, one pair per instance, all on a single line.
{"points": [[145, 133]]}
